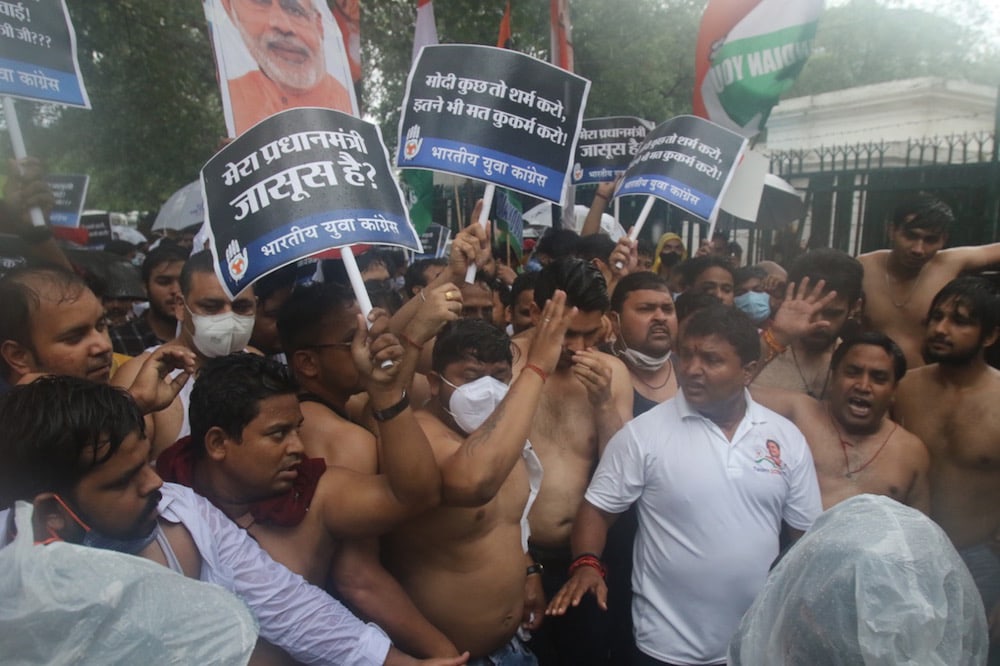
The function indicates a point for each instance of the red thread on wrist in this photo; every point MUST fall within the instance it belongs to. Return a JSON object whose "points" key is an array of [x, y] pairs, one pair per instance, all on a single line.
{"points": [[410, 341], [588, 560], [538, 371]]}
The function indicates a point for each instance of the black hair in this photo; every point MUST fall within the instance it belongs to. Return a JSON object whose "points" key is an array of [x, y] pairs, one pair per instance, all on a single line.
{"points": [[228, 392], [875, 339], [56, 429], [594, 246], [415, 276], [692, 268], [20, 296], [164, 253], [199, 262], [635, 282], [728, 323], [470, 337], [522, 283], [282, 278], [557, 243], [303, 316], [978, 295], [842, 272], [689, 302], [582, 281], [382, 295], [119, 248], [745, 273], [645, 248], [370, 258], [930, 213]]}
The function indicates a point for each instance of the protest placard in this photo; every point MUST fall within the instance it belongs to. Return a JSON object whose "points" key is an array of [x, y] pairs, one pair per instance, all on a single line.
{"points": [[38, 53], [98, 226], [686, 161], [434, 240], [297, 183], [606, 146], [69, 192], [492, 114]]}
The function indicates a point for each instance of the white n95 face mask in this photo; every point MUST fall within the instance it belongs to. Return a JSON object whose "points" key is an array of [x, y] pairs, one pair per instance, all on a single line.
{"points": [[221, 334], [471, 404]]}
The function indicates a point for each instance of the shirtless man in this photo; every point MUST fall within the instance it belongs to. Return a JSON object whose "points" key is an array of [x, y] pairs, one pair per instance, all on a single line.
{"points": [[855, 446], [82, 461], [645, 327], [211, 325], [803, 366], [951, 406], [246, 457], [465, 563], [316, 326], [585, 402], [900, 282]]}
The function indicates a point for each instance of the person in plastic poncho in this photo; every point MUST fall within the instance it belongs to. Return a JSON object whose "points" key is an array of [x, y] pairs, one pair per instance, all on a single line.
{"points": [[874, 583]]}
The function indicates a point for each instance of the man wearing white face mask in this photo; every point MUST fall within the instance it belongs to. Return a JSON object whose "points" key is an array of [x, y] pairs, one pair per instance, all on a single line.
{"points": [[465, 564], [212, 325]]}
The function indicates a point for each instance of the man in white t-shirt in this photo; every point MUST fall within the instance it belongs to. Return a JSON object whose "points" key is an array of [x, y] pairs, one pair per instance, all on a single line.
{"points": [[713, 475]]}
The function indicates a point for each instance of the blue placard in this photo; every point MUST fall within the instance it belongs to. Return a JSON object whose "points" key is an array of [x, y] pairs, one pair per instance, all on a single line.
{"points": [[297, 183], [38, 53], [494, 115]]}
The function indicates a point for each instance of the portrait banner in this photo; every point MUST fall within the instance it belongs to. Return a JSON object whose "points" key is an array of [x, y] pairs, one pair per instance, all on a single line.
{"points": [[606, 146], [686, 161], [69, 192], [38, 53], [278, 55], [298, 183], [494, 115]]}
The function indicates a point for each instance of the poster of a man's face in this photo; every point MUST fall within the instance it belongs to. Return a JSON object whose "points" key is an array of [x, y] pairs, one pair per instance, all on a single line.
{"points": [[275, 55]]}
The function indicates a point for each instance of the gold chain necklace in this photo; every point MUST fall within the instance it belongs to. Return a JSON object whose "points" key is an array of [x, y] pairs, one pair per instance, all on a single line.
{"points": [[888, 287]]}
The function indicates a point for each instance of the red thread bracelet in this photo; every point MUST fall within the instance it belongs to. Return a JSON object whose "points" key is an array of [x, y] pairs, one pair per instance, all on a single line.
{"points": [[538, 371], [410, 341], [588, 560]]}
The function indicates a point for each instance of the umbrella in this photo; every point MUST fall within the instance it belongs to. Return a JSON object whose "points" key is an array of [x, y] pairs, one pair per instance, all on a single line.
{"points": [[780, 204], [541, 216], [127, 234], [185, 208]]}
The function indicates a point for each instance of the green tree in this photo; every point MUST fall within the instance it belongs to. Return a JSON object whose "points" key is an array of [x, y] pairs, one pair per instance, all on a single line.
{"points": [[864, 42], [157, 113]]}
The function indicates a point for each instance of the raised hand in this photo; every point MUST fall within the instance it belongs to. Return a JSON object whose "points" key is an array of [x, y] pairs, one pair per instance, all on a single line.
{"points": [[153, 389], [798, 315], [546, 347]]}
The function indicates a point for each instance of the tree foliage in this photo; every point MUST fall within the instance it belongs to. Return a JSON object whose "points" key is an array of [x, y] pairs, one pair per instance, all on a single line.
{"points": [[157, 113], [864, 42]]}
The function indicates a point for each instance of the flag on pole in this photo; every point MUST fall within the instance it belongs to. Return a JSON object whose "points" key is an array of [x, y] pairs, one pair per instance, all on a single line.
{"points": [[561, 45], [750, 52], [561, 34], [420, 183], [504, 40], [508, 216], [425, 32]]}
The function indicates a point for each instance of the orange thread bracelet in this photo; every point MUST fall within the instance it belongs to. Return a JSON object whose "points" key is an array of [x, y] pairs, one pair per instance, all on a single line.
{"points": [[534, 368]]}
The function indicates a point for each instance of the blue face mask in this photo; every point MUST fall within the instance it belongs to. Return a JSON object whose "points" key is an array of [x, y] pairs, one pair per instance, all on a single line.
{"points": [[756, 305]]}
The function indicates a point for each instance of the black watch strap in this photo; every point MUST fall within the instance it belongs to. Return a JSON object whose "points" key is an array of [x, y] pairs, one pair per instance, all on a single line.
{"points": [[382, 415]]}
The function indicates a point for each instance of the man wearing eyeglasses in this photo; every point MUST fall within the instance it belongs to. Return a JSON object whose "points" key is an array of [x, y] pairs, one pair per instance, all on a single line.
{"points": [[211, 325], [285, 38]]}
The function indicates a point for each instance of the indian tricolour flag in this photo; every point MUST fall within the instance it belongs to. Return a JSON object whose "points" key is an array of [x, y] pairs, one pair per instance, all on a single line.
{"points": [[749, 52]]}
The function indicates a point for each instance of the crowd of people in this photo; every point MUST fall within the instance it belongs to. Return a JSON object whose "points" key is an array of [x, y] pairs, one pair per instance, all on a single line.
{"points": [[596, 462]]}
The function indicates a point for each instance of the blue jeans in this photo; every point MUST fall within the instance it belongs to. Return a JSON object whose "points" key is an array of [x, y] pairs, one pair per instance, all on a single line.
{"points": [[514, 653]]}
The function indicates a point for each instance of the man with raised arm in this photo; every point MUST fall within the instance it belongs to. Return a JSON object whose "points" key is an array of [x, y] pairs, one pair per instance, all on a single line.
{"points": [[317, 324], [901, 281], [465, 563], [83, 462], [951, 405], [713, 475], [586, 400], [856, 446]]}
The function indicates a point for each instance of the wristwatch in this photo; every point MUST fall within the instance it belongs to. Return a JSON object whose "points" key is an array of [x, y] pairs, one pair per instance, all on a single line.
{"points": [[382, 415]]}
